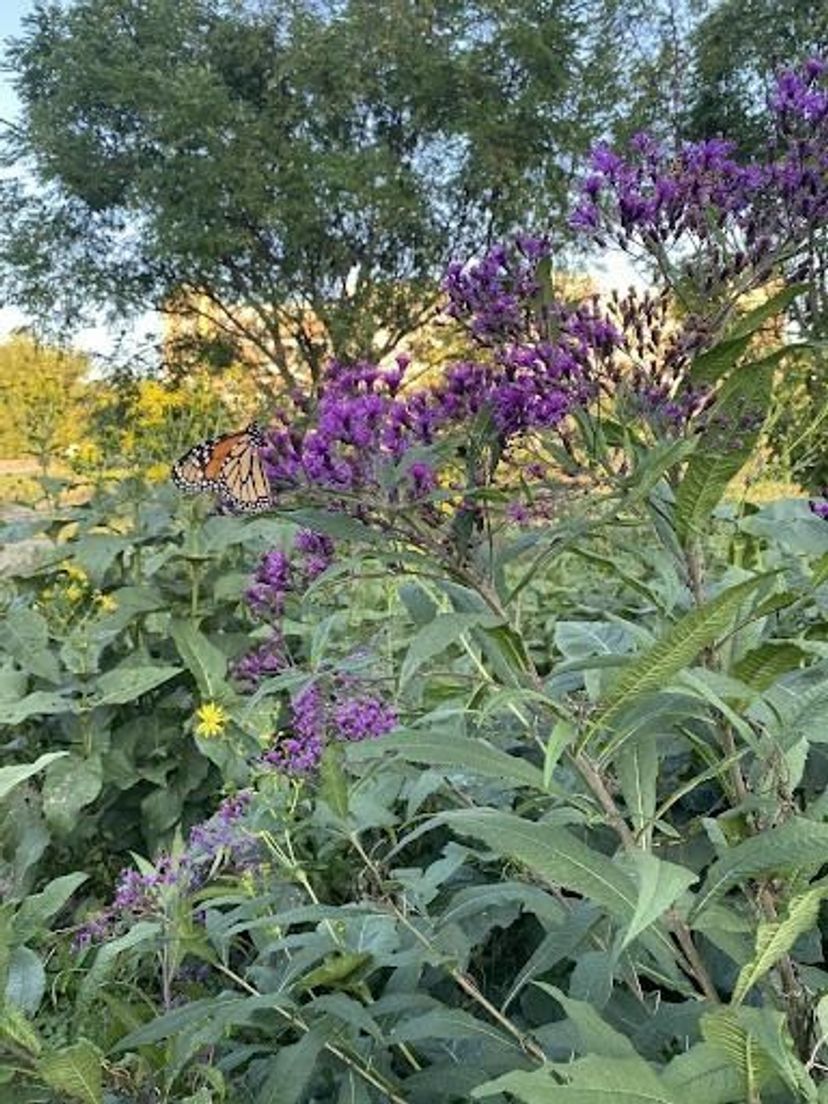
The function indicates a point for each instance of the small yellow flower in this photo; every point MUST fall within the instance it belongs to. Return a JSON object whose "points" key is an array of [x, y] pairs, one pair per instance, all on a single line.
{"points": [[212, 720], [157, 473], [74, 592], [106, 603], [87, 454], [75, 572]]}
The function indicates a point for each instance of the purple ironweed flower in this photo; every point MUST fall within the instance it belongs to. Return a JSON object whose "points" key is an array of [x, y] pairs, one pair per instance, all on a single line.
{"points": [[658, 199], [222, 833], [366, 718], [819, 508], [423, 479], [268, 659], [271, 583], [518, 513], [317, 551], [220, 838], [135, 892], [317, 717], [93, 930], [300, 753]]}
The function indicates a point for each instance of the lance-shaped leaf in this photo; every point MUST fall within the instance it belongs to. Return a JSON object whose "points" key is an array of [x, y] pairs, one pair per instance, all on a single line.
{"points": [[773, 940], [796, 844], [654, 668], [554, 854], [735, 421]]}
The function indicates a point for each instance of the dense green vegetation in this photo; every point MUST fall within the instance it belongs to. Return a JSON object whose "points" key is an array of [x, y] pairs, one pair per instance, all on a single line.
{"points": [[487, 761]]}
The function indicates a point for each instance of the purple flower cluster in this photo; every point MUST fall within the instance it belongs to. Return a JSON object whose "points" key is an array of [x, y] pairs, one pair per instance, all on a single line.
{"points": [[544, 354], [220, 839], [271, 582], [356, 719], [317, 552], [315, 718], [299, 754], [278, 575], [537, 360], [496, 293], [819, 508], [267, 659], [737, 218]]}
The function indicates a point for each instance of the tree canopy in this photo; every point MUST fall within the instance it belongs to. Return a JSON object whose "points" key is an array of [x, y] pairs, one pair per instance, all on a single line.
{"points": [[288, 163]]}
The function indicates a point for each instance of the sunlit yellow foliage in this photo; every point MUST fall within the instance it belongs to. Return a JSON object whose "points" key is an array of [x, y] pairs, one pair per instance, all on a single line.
{"points": [[43, 392]]}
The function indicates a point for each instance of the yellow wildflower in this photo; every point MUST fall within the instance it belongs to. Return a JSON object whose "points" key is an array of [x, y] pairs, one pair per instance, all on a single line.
{"points": [[106, 603], [157, 473], [84, 456], [154, 402], [74, 592], [75, 572], [212, 720]]}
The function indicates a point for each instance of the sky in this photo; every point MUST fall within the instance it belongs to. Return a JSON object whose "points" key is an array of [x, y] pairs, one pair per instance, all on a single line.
{"points": [[614, 271], [98, 340]]}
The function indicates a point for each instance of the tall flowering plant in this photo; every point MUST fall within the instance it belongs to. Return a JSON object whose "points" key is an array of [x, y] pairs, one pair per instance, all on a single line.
{"points": [[542, 776]]}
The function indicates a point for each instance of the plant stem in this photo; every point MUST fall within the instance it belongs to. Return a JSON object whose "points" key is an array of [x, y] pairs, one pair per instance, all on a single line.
{"points": [[296, 1021], [462, 980], [692, 961]]}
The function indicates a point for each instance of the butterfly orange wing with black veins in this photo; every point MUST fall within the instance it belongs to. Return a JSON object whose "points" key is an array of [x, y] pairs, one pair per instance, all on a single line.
{"points": [[230, 466]]}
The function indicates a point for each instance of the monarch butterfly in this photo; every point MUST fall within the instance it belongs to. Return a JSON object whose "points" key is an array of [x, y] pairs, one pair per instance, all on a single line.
{"points": [[230, 466]]}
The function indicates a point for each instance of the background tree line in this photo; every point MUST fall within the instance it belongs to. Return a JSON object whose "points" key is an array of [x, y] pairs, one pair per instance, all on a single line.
{"points": [[291, 178]]}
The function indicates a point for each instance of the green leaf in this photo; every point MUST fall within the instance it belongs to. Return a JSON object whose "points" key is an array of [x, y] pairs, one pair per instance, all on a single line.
{"points": [[466, 755], [654, 668], [333, 783], [25, 980], [710, 366], [38, 909], [721, 454], [704, 1074], [637, 768], [16, 1031], [561, 736], [757, 317], [433, 638], [795, 844], [26, 638], [340, 970], [13, 776], [222, 1011], [292, 1068], [125, 684], [660, 884], [726, 1032], [74, 1071], [206, 663], [595, 1036], [70, 785], [144, 932], [336, 525], [770, 1030], [773, 940], [553, 854], [449, 1023], [40, 702], [591, 1080], [762, 666]]}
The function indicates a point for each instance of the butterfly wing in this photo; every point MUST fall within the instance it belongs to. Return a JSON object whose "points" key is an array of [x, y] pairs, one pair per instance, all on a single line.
{"points": [[244, 484], [230, 466], [194, 472]]}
